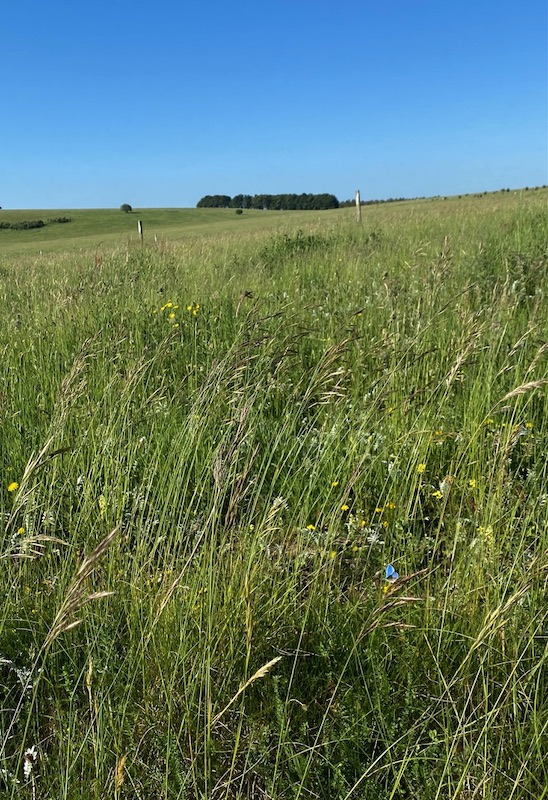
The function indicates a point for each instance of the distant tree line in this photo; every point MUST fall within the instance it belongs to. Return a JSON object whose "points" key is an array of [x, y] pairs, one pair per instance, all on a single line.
{"points": [[26, 225], [347, 203], [271, 202]]}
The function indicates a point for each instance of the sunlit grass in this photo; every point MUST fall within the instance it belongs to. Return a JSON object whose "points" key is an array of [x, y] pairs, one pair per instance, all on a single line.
{"points": [[211, 450]]}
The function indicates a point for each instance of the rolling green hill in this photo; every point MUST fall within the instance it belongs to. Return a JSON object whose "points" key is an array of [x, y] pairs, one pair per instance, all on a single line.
{"points": [[103, 227], [95, 227]]}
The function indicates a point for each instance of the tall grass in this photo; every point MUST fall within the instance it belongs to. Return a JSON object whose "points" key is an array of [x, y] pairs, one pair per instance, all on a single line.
{"points": [[211, 450]]}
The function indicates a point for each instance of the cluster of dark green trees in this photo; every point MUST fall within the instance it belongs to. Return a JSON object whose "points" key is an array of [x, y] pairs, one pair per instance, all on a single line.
{"points": [[271, 202]]}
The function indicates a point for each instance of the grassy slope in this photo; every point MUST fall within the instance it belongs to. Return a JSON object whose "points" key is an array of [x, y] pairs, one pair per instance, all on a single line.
{"points": [[343, 397], [103, 228], [110, 227]]}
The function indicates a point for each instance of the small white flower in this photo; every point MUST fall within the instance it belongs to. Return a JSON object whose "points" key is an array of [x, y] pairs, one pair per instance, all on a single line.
{"points": [[444, 485], [24, 675], [374, 538], [31, 757], [48, 518]]}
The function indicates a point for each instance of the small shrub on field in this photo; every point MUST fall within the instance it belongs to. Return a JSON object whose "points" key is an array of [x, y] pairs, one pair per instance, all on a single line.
{"points": [[23, 225], [290, 245]]}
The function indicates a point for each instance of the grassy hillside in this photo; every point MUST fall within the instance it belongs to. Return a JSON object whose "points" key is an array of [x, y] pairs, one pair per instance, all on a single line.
{"points": [[111, 227], [107, 228], [211, 451]]}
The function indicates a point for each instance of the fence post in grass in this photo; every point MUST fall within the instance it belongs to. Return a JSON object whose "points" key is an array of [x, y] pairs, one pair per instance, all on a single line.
{"points": [[140, 229], [358, 206]]}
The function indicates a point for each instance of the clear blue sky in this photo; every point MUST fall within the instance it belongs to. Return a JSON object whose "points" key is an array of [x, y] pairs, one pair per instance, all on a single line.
{"points": [[160, 103]]}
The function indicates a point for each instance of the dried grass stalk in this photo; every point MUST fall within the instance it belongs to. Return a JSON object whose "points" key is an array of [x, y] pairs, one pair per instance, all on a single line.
{"points": [[524, 388], [77, 597], [261, 672]]}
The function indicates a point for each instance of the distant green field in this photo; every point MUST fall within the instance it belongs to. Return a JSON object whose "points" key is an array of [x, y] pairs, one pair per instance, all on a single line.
{"points": [[98, 228]]}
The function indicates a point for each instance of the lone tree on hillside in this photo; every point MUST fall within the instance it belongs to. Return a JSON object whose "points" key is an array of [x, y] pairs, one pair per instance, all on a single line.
{"points": [[126, 207]]}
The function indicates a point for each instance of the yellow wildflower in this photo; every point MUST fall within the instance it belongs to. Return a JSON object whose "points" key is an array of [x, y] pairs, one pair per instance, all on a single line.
{"points": [[472, 483], [13, 486], [311, 527], [487, 536], [345, 507], [421, 468]]}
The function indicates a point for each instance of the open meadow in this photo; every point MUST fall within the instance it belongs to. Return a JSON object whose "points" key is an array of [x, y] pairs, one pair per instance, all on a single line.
{"points": [[213, 446]]}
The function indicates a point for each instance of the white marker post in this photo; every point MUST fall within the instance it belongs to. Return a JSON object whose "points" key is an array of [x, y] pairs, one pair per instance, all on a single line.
{"points": [[358, 206], [140, 229]]}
